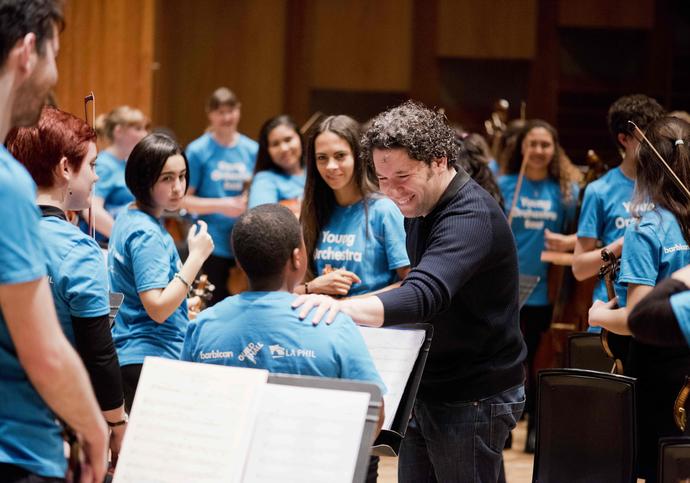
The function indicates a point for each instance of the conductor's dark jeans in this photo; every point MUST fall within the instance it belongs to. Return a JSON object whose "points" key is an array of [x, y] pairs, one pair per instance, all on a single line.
{"points": [[459, 441]]}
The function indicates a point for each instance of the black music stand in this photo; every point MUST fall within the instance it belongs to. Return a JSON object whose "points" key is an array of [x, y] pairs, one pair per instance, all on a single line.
{"points": [[375, 403], [116, 299], [527, 283], [674, 459], [389, 440]]}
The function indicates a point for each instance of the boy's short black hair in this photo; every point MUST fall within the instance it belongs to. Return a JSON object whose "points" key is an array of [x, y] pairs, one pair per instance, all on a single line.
{"points": [[145, 165], [263, 240], [638, 108]]}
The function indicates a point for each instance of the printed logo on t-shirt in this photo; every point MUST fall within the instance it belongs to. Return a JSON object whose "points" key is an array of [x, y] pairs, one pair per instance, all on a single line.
{"points": [[250, 352], [676, 248], [233, 175], [343, 239], [278, 352], [216, 354], [622, 222], [535, 212]]}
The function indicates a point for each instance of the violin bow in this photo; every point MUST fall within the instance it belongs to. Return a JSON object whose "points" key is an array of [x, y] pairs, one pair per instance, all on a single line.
{"points": [[92, 99], [518, 187], [670, 171]]}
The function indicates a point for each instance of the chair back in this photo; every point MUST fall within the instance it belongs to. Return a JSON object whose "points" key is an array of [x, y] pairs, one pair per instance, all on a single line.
{"points": [[584, 351], [586, 428], [674, 459]]}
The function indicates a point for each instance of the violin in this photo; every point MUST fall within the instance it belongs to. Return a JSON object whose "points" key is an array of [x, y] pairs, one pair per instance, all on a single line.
{"points": [[615, 346], [202, 290]]}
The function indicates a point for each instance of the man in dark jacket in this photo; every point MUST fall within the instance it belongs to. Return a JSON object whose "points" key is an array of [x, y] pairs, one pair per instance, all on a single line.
{"points": [[464, 281]]}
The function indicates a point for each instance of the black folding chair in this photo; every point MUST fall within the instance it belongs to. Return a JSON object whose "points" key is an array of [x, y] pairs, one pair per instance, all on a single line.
{"points": [[674, 459], [584, 351], [585, 427]]}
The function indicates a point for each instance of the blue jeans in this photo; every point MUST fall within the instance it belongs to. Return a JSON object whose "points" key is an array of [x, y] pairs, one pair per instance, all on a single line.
{"points": [[459, 441]]}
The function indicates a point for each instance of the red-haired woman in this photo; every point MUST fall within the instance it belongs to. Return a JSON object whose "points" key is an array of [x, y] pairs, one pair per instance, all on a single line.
{"points": [[60, 154]]}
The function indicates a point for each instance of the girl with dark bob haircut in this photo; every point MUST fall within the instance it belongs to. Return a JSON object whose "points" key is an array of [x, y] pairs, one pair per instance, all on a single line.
{"points": [[144, 263], [354, 236], [60, 154], [279, 173]]}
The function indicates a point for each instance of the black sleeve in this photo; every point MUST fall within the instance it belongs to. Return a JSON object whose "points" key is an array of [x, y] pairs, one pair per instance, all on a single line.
{"points": [[652, 320], [94, 344]]}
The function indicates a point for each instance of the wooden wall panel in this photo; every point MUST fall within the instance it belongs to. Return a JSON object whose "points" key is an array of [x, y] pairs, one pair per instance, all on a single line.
{"points": [[203, 45], [106, 47], [361, 44], [609, 14], [488, 29]]}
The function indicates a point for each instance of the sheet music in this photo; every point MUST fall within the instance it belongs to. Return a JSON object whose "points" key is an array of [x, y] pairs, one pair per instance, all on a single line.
{"points": [[189, 423], [394, 352], [306, 434]]}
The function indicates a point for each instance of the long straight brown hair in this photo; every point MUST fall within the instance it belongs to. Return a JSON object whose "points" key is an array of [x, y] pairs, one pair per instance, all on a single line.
{"points": [[319, 199]]}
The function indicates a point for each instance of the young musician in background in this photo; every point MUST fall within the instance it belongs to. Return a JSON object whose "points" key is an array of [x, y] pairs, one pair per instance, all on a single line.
{"points": [[354, 236], [606, 205], [60, 154], [220, 162], [544, 205], [41, 375], [279, 173], [654, 247], [123, 128], [144, 263]]}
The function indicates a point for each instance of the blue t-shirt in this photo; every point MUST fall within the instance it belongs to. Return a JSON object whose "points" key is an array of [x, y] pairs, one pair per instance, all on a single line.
{"points": [[605, 213], [111, 184], [539, 206], [142, 256], [217, 171], [680, 304], [273, 187], [261, 330], [372, 248], [77, 273], [652, 251], [29, 435]]}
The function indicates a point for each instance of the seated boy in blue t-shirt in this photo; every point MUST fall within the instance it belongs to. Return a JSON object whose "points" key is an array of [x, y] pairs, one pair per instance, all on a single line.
{"points": [[258, 328]]}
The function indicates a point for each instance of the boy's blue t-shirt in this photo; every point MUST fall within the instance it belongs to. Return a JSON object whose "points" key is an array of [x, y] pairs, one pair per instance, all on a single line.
{"points": [[540, 205], [653, 249], [29, 435], [605, 213], [372, 245], [217, 171], [111, 184], [142, 256], [680, 304], [77, 272], [273, 187], [261, 330]]}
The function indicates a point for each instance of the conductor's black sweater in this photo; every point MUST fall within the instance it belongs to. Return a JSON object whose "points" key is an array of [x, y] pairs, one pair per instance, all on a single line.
{"points": [[464, 281]]}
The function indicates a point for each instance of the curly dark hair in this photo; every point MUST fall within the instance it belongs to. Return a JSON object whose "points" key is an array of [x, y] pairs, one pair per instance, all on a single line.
{"points": [[638, 108], [671, 138], [423, 133]]}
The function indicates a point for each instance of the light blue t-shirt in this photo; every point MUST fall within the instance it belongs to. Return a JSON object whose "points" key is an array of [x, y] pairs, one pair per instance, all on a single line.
{"points": [[652, 251], [111, 184], [273, 187], [539, 206], [217, 171], [142, 256], [77, 273], [29, 435], [680, 304], [605, 213], [261, 330], [372, 245]]}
